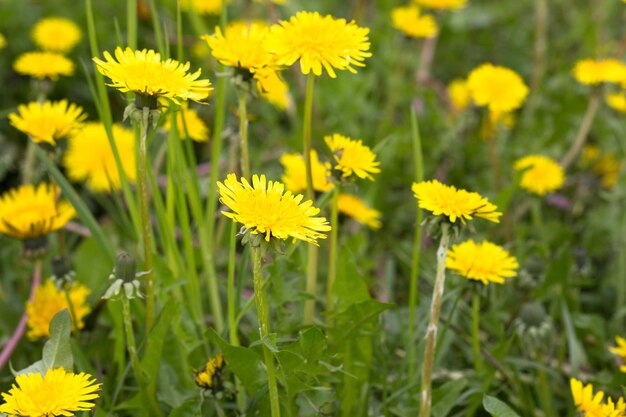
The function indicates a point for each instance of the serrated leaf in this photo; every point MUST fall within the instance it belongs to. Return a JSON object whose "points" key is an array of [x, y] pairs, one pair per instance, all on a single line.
{"points": [[498, 408], [57, 352]]}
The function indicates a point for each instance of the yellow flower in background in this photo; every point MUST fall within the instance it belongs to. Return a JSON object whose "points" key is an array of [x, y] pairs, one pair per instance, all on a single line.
{"points": [[598, 71], [56, 34], [617, 101], [49, 121], [3, 41], [189, 124], [446, 200], [295, 172], [319, 42], [485, 262], [356, 208], [48, 301], [209, 377], [442, 4], [203, 6], [89, 156], [459, 94], [27, 212], [266, 208], [495, 121], [272, 88], [352, 157], [58, 393], [241, 46], [410, 21], [499, 88], [42, 65], [605, 165], [620, 351], [585, 400], [541, 174], [143, 72]]}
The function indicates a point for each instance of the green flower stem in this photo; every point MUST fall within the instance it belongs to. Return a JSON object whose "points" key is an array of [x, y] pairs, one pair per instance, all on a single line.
{"points": [[583, 131], [431, 331], [70, 305], [332, 259], [262, 307], [131, 15], [243, 135], [28, 169], [475, 330], [146, 228], [413, 287]]}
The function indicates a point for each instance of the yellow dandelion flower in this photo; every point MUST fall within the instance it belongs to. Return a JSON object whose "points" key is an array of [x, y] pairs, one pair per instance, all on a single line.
{"points": [[590, 153], [3, 41], [499, 88], [209, 377], [620, 351], [48, 301], [608, 168], [89, 156], [459, 94], [241, 46], [442, 4], [272, 88], [58, 393], [410, 21], [356, 208], [27, 212], [446, 200], [203, 6], [617, 101], [611, 409], [56, 34], [485, 262], [598, 71], [295, 172], [44, 64], [49, 121], [352, 157], [144, 73], [541, 174], [585, 400], [319, 42], [266, 208], [189, 125]]}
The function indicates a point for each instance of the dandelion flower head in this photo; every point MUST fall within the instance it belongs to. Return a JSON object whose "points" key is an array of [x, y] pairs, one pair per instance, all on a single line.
{"points": [[44, 64], [264, 207], [617, 101], [3, 41], [352, 157], [590, 404], [319, 42], [499, 88], [30, 212], [459, 95], [295, 172], [485, 262], [48, 122], [272, 88], [143, 72], [442, 4], [541, 174], [620, 350], [446, 200], [58, 393], [56, 34], [209, 376], [203, 6], [598, 71], [89, 156], [48, 301], [410, 21], [189, 125], [356, 208]]}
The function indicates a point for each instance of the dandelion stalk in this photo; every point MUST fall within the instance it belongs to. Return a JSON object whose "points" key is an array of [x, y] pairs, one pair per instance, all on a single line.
{"points": [[583, 131], [475, 330], [243, 134], [431, 332], [311, 276], [262, 307], [332, 258]]}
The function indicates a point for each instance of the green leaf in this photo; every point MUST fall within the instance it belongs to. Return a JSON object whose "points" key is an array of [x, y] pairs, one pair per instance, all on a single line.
{"points": [[497, 408], [189, 408], [446, 397], [57, 352], [577, 356]]}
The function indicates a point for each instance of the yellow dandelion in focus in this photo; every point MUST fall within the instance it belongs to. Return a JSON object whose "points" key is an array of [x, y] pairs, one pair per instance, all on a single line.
{"points": [[617, 101], [48, 122], [295, 172], [266, 208], [442, 4], [356, 208], [459, 95], [620, 351], [27, 212], [319, 42], [89, 156], [598, 71], [48, 301], [3, 41], [44, 64], [56, 34], [485, 262], [411, 22], [210, 377], [499, 88], [352, 157], [541, 174], [144, 73], [446, 200], [203, 6], [58, 393], [272, 88], [241, 46], [585, 400], [189, 125]]}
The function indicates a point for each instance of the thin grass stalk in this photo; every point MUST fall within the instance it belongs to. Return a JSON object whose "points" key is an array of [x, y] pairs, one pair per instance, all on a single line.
{"points": [[545, 394], [156, 26], [583, 131], [262, 307], [431, 331], [131, 23], [333, 251], [475, 332], [243, 135]]}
